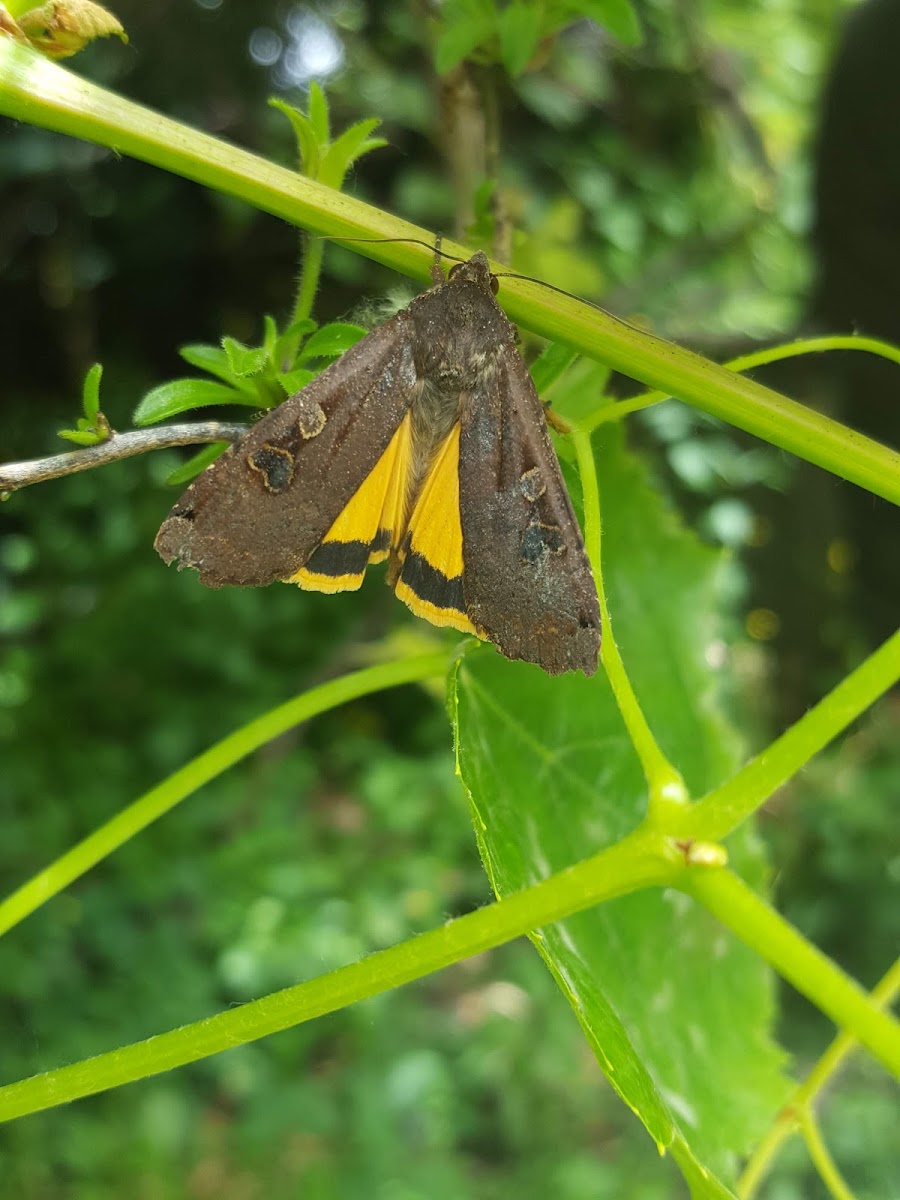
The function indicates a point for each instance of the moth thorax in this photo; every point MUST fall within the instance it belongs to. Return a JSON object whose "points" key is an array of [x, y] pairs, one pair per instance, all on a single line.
{"points": [[434, 413]]}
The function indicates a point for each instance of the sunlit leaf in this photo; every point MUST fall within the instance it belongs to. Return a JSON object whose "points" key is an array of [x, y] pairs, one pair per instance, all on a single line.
{"points": [[520, 33], [181, 395], [195, 464], [332, 340], [677, 1010]]}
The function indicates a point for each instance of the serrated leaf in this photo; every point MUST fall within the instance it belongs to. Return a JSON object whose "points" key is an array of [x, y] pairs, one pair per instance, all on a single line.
{"points": [[270, 336], [318, 113], [344, 150], [195, 464], [244, 360], [285, 351], [520, 33], [677, 1010], [550, 365], [208, 358], [579, 389], [461, 37], [181, 395], [618, 16], [90, 391], [307, 144], [293, 381], [302, 327], [332, 340]]}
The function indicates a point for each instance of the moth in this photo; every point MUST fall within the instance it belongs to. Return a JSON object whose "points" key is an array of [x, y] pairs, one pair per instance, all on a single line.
{"points": [[424, 444]]}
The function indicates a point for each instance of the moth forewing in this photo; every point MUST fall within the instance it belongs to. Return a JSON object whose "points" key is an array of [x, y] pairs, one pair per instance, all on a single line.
{"points": [[260, 510], [528, 582], [464, 494]]}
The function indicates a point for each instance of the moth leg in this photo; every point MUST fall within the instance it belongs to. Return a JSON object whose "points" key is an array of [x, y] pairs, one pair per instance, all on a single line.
{"points": [[554, 420]]}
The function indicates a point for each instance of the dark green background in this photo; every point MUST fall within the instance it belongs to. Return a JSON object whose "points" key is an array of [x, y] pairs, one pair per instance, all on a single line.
{"points": [[678, 179]]}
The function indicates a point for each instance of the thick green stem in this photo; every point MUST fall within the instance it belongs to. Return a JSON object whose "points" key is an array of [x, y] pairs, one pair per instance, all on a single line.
{"points": [[822, 1160], [746, 362], [639, 861], [664, 783], [312, 254], [717, 814], [43, 93]]}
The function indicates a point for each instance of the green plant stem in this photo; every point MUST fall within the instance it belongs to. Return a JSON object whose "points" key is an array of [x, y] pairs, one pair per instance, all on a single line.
{"points": [[814, 975], [788, 1120], [822, 1160], [639, 861], [664, 783], [312, 254], [723, 809], [43, 93], [746, 362], [214, 761]]}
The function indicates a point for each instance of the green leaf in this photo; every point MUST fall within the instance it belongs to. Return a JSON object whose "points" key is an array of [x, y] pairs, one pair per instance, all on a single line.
{"points": [[520, 33], [244, 360], [676, 1009], [90, 391], [93, 428], [318, 113], [307, 143], [293, 381], [618, 16], [332, 340], [208, 358], [552, 363], [352, 144], [82, 437], [467, 26], [270, 336], [60, 28], [181, 395], [195, 464], [302, 327], [285, 349]]}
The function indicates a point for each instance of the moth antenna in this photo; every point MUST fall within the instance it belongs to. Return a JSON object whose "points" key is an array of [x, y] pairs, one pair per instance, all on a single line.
{"points": [[434, 247], [554, 288]]}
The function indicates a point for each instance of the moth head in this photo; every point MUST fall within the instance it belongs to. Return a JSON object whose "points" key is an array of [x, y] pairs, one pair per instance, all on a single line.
{"points": [[476, 270]]}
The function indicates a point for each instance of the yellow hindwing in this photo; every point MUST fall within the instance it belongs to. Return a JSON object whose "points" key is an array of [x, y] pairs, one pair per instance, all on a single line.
{"points": [[431, 575], [370, 525]]}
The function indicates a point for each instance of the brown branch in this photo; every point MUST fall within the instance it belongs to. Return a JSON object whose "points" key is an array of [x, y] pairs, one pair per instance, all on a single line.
{"points": [[120, 445]]}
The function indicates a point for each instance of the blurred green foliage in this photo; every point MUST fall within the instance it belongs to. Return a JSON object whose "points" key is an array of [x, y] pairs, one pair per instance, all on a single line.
{"points": [[670, 180]]}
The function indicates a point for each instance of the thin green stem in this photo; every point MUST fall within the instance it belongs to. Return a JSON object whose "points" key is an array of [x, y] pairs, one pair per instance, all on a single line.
{"points": [[822, 1160], [43, 93], [639, 861], [312, 250], [814, 975], [755, 1172], [746, 362], [788, 1120], [214, 761], [312, 254], [664, 783], [723, 809]]}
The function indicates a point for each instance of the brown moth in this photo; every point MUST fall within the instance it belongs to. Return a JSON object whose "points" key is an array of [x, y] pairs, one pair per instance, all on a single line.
{"points": [[424, 444]]}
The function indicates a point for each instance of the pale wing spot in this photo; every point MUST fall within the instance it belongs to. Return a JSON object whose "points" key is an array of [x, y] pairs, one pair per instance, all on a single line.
{"points": [[532, 485], [311, 420]]}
